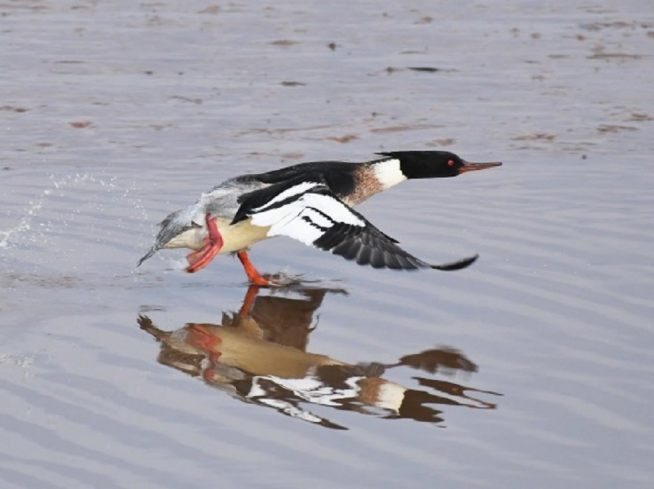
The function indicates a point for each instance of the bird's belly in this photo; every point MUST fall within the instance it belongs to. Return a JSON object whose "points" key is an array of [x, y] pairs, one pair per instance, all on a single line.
{"points": [[191, 238], [260, 357], [235, 237], [241, 235]]}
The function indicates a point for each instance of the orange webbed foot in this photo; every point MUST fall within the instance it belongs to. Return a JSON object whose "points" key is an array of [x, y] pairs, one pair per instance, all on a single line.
{"points": [[213, 243]]}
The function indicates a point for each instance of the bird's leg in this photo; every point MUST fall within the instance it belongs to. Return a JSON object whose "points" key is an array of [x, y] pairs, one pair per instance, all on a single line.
{"points": [[199, 337], [213, 243], [253, 276], [194, 256], [248, 302]]}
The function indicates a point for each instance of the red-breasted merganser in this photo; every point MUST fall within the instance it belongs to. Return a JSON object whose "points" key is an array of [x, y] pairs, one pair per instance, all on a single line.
{"points": [[309, 202], [259, 355]]}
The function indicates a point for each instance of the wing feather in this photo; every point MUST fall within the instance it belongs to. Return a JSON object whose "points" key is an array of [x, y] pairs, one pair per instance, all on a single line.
{"points": [[308, 211]]}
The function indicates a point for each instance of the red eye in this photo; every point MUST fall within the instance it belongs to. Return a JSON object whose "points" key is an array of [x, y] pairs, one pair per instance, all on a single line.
{"points": [[450, 163]]}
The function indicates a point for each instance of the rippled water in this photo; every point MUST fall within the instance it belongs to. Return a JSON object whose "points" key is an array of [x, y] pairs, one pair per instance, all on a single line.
{"points": [[530, 369]]}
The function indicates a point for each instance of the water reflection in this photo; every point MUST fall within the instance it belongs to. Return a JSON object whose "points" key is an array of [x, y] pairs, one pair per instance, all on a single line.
{"points": [[258, 355]]}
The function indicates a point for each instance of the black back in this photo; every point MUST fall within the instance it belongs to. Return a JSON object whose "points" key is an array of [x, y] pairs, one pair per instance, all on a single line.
{"points": [[258, 198], [337, 175]]}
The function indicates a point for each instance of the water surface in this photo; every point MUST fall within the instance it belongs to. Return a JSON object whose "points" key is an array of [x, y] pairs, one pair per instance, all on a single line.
{"points": [[531, 368]]}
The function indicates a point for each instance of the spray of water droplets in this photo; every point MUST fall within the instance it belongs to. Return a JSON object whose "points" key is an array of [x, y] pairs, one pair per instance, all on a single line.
{"points": [[58, 188]]}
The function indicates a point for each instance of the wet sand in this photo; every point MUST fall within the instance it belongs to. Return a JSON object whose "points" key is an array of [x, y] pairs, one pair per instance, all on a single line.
{"points": [[529, 369]]}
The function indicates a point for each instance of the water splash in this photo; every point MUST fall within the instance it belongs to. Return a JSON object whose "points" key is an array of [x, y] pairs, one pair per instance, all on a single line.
{"points": [[24, 224], [58, 186], [35, 207]]}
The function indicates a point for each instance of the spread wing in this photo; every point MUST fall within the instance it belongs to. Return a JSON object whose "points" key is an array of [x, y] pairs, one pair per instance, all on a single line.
{"points": [[308, 211]]}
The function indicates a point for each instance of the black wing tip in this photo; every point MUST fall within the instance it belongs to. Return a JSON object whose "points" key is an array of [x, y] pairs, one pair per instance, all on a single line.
{"points": [[456, 265]]}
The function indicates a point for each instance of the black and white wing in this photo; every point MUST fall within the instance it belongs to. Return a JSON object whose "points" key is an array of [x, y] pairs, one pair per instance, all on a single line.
{"points": [[309, 212]]}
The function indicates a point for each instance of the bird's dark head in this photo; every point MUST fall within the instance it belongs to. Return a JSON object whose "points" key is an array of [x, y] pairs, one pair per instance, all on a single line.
{"points": [[434, 164]]}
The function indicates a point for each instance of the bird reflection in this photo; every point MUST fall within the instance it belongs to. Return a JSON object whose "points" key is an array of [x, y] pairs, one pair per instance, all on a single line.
{"points": [[258, 355]]}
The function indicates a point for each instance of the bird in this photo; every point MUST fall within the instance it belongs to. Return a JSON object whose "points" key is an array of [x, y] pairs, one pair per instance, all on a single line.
{"points": [[259, 355], [310, 202]]}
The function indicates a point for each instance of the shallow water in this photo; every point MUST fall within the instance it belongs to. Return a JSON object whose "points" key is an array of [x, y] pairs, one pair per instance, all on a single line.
{"points": [[531, 368]]}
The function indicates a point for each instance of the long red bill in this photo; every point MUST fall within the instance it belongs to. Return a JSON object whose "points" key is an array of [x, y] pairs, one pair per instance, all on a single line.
{"points": [[467, 166]]}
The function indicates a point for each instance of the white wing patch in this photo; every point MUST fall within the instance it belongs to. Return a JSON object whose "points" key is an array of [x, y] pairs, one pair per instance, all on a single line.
{"points": [[297, 229], [310, 213], [307, 218], [333, 208], [317, 218], [289, 192]]}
